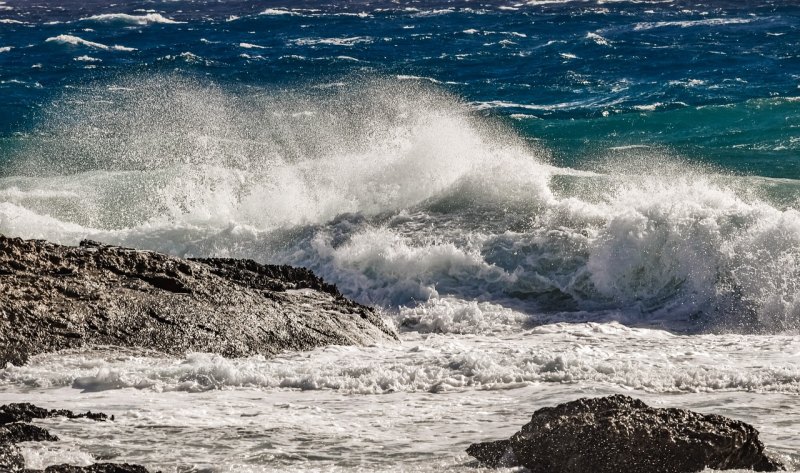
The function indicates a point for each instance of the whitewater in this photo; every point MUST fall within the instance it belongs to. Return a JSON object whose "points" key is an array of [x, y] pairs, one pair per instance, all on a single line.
{"points": [[530, 244]]}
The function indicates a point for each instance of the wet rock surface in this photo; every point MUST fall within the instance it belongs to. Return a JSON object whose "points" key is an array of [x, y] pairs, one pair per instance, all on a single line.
{"points": [[25, 412], [55, 297], [96, 468], [15, 429], [622, 434]]}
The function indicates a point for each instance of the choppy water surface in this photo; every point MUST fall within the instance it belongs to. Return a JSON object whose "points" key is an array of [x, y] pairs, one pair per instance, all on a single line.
{"points": [[548, 199]]}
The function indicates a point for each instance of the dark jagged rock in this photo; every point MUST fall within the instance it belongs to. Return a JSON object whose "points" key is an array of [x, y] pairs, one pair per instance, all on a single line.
{"points": [[25, 412], [622, 434], [493, 454], [97, 468], [19, 432], [13, 431], [55, 297]]}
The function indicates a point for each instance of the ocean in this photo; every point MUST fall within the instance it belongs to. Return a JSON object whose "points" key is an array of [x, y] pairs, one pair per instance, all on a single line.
{"points": [[548, 199]]}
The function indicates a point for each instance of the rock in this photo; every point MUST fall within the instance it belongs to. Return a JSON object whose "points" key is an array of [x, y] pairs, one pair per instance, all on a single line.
{"points": [[10, 457], [19, 432], [60, 297], [12, 431], [622, 434], [97, 468], [495, 454], [25, 412]]}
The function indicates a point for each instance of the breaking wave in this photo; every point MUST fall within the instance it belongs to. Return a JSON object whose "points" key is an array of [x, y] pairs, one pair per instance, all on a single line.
{"points": [[403, 196], [77, 41]]}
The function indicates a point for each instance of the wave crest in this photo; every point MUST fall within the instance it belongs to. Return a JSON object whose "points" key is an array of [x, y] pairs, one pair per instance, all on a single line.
{"points": [[147, 19], [77, 41]]}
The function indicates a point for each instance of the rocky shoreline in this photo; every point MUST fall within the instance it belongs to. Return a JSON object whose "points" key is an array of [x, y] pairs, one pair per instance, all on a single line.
{"points": [[59, 297]]}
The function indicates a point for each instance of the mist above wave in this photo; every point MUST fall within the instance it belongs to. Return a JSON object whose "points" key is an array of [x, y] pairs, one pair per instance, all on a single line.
{"points": [[401, 194], [267, 158]]}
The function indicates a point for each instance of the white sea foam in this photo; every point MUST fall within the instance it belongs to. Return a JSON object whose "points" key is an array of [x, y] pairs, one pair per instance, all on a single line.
{"points": [[148, 19], [6, 49], [76, 41], [407, 77], [434, 12], [648, 107], [35, 85], [39, 455], [87, 59], [688, 82], [502, 104], [692, 23], [351, 41], [597, 39], [251, 46], [278, 11], [188, 57], [607, 354]]}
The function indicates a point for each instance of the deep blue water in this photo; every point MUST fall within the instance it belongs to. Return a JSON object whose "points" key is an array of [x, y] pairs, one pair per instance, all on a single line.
{"points": [[713, 81]]}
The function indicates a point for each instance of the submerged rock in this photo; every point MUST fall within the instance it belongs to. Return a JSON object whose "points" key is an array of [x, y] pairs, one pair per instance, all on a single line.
{"points": [[620, 434], [58, 297]]}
